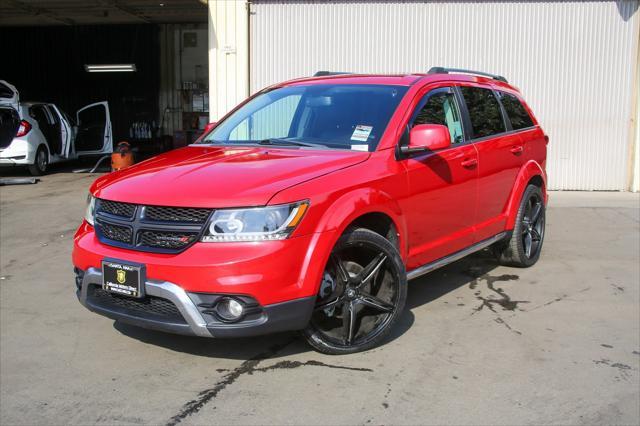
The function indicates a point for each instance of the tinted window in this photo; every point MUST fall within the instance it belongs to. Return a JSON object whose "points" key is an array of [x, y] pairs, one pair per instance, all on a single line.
{"points": [[518, 115], [484, 111], [340, 116], [37, 113], [441, 108]]}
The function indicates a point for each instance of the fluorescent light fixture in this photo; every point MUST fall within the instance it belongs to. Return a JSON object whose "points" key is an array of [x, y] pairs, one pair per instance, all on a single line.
{"points": [[110, 68]]}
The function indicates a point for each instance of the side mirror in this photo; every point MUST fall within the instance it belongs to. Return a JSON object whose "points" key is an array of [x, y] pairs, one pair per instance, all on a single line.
{"points": [[208, 127], [427, 137], [206, 130]]}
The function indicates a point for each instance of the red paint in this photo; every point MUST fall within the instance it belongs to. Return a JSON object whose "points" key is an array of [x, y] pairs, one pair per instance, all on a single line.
{"points": [[439, 201], [430, 136]]}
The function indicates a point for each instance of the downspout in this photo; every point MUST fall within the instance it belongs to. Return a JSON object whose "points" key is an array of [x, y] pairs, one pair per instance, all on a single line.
{"points": [[634, 131]]}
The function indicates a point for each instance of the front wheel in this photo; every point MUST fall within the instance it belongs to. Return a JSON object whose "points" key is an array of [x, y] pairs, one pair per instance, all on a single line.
{"points": [[361, 297], [525, 244]]}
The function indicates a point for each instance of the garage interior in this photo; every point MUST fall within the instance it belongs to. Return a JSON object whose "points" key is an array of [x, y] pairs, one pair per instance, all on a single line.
{"points": [[161, 105]]}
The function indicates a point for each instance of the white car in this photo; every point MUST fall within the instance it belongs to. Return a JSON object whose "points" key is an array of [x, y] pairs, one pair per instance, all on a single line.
{"points": [[36, 134]]}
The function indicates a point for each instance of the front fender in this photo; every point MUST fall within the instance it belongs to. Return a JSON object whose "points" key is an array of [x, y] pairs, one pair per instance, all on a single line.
{"points": [[354, 204], [337, 217], [530, 170]]}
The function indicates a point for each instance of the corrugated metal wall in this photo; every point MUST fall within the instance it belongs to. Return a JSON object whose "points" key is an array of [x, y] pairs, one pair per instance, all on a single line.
{"points": [[228, 56], [575, 62]]}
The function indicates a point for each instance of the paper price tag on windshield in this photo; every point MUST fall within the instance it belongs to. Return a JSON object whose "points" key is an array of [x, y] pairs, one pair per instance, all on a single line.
{"points": [[361, 133]]}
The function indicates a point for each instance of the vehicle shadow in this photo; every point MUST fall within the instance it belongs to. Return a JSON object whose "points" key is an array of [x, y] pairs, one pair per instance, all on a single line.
{"points": [[246, 348], [421, 291], [434, 285]]}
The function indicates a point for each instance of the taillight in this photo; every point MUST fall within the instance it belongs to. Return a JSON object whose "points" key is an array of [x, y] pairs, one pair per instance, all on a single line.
{"points": [[25, 127]]}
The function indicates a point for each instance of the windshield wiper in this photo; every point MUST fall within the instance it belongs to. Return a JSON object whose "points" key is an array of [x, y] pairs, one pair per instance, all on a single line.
{"points": [[275, 141]]}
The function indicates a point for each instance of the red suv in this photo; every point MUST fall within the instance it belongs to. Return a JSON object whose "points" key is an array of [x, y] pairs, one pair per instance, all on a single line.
{"points": [[310, 205]]}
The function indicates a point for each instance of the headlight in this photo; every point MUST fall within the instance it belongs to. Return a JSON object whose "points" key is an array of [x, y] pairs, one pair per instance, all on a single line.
{"points": [[91, 209], [255, 224]]}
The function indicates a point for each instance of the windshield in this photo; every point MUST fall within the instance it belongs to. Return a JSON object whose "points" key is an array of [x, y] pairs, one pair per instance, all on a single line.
{"points": [[332, 116]]}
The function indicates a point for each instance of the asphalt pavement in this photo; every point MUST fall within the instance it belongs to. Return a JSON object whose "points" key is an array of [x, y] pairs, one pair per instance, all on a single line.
{"points": [[558, 343]]}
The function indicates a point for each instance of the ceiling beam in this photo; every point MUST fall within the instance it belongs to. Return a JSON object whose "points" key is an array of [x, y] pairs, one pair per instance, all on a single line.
{"points": [[128, 10], [38, 11]]}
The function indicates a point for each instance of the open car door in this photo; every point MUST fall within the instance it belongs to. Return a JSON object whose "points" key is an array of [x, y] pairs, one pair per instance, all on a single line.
{"points": [[94, 130]]}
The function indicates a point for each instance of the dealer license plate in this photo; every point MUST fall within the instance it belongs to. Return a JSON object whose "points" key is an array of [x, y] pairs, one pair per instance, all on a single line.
{"points": [[123, 278]]}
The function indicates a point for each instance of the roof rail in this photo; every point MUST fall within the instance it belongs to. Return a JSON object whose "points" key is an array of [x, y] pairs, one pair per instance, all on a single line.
{"points": [[326, 73], [443, 70]]}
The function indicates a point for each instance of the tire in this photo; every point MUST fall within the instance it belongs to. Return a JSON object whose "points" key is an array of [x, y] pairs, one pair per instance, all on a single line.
{"points": [[361, 297], [41, 162], [523, 247]]}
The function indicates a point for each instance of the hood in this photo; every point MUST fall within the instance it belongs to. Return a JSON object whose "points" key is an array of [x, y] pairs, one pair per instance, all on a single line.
{"points": [[215, 177]]}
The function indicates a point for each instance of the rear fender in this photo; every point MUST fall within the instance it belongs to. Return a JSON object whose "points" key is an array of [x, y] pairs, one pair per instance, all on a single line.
{"points": [[527, 172]]}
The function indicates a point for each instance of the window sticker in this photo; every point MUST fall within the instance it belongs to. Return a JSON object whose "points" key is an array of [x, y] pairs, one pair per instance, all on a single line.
{"points": [[361, 133], [359, 147]]}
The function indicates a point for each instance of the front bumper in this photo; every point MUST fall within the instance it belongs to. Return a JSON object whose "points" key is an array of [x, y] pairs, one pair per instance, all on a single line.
{"points": [[271, 272], [168, 307]]}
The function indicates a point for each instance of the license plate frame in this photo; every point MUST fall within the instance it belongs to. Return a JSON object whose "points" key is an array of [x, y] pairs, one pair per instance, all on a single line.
{"points": [[124, 278]]}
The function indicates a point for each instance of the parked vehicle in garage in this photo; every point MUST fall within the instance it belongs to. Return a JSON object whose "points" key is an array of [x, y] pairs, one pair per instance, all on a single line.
{"points": [[310, 205], [46, 134]]}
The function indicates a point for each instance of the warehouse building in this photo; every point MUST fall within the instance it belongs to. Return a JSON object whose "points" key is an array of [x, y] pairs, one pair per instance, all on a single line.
{"points": [[576, 62]]}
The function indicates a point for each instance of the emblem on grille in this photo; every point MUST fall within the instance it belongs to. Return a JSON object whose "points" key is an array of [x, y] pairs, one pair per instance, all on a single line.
{"points": [[173, 239]]}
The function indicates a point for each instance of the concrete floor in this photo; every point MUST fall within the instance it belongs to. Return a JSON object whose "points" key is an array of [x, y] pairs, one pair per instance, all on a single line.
{"points": [[567, 353]]}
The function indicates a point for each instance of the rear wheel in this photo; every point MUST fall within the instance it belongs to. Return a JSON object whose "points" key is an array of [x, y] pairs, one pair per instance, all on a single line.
{"points": [[525, 244], [41, 163], [361, 297]]}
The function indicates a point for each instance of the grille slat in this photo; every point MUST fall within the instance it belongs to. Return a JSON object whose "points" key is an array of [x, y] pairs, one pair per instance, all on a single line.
{"points": [[166, 239], [117, 209], [122, 234], [150, 305], [176, 214]]}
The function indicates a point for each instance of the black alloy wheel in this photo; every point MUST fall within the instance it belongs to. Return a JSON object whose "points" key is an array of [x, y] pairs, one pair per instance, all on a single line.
{"points": [[524, 246], [532, 226], [362, 294]]}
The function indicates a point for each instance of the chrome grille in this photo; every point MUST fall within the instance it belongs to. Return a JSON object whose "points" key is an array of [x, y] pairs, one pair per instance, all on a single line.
{"points": [[176, 214]]}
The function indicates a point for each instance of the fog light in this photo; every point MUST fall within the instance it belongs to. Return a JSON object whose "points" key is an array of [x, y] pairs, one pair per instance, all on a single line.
{"points": [[229, 309]]}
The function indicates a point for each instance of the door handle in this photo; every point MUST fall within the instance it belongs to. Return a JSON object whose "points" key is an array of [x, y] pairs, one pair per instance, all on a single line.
{"points": [[470, 163], [517, 149]]}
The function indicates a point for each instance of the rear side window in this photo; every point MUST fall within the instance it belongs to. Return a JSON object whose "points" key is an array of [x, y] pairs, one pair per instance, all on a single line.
{"points": [[484, 112], [517, 113]]}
